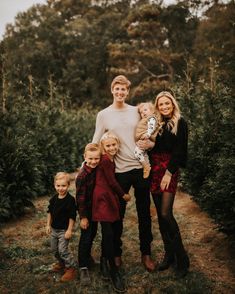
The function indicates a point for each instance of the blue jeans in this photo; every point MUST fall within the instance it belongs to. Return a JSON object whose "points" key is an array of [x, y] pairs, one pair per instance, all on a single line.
{"points": [[59, 246]]}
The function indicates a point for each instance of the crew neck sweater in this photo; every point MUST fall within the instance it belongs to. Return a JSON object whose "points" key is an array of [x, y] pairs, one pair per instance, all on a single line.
{"points": [[123, 122]]}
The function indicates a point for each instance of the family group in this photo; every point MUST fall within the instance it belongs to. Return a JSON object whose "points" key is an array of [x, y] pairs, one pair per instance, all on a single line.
{"points": [[142, 147]]}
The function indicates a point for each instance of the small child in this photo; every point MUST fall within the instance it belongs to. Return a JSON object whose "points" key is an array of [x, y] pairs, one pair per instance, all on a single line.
{"points": [[60, 221], [106, 207], [147, 128], [85, 182]]}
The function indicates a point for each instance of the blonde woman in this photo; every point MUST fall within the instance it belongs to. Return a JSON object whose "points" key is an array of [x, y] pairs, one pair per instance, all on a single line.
{"points": [[167, 156]]}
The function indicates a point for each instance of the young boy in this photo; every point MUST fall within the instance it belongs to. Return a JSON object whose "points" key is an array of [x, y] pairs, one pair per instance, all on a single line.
{"points": [[85, 182], [147, 128], [60, 221]]}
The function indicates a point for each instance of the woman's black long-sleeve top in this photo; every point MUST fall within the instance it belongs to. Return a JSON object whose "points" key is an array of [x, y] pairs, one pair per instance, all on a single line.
{"points": [[176, 145]]}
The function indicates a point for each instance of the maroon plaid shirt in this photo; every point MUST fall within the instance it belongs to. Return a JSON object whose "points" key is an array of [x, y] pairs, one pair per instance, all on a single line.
{"points": [[85, 183]]}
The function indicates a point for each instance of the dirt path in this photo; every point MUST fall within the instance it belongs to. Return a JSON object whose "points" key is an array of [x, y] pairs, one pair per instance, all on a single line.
{"points": [[26, 259]]}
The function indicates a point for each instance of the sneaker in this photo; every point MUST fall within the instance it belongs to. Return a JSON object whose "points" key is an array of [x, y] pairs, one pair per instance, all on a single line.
{"points": [[85, 279], [69, 275], [57, 267]]}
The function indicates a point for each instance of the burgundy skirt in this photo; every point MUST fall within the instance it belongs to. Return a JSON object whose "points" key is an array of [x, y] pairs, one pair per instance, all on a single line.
{"points": [[159, 164]]}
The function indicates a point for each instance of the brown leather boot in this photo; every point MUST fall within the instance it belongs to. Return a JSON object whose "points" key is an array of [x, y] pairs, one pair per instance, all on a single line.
{"points": [[69, 275], [148, 263], [57, 267]]}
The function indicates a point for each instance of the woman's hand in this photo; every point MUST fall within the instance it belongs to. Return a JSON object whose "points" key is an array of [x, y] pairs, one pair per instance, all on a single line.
{"points": [[165, 181], [84, 223], [145, 144]]}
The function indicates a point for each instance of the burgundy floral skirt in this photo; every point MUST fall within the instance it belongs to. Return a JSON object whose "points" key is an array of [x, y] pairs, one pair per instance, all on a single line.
{"points": [[159, 164]]}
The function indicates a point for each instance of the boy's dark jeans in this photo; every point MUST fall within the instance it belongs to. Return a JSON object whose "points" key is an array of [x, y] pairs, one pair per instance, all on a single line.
{"points": [[142, 196], [85, 244]]}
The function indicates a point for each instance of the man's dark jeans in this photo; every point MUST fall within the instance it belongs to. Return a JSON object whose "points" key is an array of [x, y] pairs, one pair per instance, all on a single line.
{"points": [[142, 196]]}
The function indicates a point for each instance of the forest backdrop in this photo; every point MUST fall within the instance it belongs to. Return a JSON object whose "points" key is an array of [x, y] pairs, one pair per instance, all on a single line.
{"points": [[57, 62]]}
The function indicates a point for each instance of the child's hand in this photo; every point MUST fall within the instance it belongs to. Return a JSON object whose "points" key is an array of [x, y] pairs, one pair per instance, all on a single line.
{"points": [[68, 234], [127, 197], [84, 223], [48, 229]]}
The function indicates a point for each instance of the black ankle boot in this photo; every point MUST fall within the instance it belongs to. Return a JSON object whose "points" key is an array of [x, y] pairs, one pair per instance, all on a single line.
{"points": [[118, 283], [182, 259], [167, 261], [104, 268]]}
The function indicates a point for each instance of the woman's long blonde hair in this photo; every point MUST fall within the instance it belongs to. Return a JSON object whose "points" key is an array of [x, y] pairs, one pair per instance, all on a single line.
{"points": [[172, 124]]}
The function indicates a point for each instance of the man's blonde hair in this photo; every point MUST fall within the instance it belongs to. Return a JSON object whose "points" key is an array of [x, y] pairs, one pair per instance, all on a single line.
{"points": [[62, 175], [121, 79]]}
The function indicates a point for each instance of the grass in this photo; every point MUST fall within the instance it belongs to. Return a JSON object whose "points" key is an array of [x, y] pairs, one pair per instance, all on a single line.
{"points": [[26, 261]]}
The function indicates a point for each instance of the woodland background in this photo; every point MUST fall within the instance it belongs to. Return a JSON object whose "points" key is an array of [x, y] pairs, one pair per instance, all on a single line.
{"points": [[57, 62]]}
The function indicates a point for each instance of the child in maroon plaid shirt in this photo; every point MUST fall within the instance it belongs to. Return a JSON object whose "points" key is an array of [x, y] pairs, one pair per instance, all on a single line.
{"points": [[85, 182]]}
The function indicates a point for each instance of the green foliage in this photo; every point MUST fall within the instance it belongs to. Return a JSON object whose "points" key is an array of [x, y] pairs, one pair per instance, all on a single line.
{"points": [[19, 173], [38, 140], [59, 58], [210, 174]]}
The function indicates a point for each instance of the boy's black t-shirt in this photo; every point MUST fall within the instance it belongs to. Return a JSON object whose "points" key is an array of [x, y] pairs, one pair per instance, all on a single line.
{"points": [[61, 211]]}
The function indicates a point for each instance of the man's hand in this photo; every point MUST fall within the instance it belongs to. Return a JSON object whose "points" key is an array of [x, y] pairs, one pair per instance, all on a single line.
{"points": [[145, 144]]}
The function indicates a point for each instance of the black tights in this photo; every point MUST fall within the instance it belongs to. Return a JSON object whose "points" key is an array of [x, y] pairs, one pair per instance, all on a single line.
{"points": [[107, 243], [164, 205]]}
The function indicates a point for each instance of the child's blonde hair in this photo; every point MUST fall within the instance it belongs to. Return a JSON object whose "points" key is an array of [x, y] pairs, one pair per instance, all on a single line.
{"points": [[142, 104], [121, 79], [62, 175], [93, 147], [108, 135]]}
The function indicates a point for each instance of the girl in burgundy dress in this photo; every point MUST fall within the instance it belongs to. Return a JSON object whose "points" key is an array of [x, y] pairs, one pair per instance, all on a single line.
{"points": [[167, 156], [105, 207]]}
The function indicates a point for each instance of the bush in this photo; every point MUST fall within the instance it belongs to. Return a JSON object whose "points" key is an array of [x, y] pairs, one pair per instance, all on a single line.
{"points": [[209, 176], [38, 140]]}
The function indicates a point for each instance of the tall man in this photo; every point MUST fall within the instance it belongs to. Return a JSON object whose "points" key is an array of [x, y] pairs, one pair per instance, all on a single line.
{"points": [[122, 118]]}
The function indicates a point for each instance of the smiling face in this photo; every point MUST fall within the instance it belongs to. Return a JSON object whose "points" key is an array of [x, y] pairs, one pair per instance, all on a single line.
{"points": [[165, 106], [92, 158], [61, 186], [110, 146], [120, 93]]}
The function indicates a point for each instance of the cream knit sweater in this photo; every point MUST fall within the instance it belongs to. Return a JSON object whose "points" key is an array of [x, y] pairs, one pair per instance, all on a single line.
{"points": [[123, 123]]}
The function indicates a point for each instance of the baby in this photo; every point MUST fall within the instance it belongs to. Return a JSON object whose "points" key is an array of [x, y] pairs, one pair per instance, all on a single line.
{"points": [[147, 128]]}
